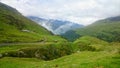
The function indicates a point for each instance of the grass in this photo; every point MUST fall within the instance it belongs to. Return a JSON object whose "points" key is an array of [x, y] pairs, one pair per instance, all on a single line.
{"points": [[110, 30], [45, 51], [108, 58], [17, 47], [78, 60], [90, 43], [13, 24], [105, 29]]}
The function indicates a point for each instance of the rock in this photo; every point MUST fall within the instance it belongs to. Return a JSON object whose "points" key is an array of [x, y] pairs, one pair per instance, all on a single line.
{"points": [[1, 55], [21, 54], [6, 54], [37, 55]]}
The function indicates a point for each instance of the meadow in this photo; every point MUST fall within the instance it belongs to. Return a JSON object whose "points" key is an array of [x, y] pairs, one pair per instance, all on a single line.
{"points": [[107, 57]]}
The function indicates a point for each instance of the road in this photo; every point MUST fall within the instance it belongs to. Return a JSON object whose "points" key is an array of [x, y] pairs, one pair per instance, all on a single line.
{"points": [[10, 44]]}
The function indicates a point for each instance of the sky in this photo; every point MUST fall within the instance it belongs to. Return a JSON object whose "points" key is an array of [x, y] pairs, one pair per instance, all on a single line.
{"points": [[79, 11]]}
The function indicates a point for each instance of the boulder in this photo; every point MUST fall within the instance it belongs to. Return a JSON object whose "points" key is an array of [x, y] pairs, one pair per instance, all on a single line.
{"points": [[1, 55]]}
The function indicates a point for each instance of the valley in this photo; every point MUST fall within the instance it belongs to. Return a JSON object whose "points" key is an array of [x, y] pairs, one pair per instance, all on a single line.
{"points": [[34, 42]]}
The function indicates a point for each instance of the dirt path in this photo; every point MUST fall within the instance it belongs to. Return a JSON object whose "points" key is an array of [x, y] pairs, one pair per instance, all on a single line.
{"points": [[10, 44]]}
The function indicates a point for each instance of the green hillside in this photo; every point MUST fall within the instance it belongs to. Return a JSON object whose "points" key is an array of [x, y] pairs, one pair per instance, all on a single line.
{"points": [[14, 27], [90, 43], [108, 58], [106, 29], [70, 35], [45, 50]]}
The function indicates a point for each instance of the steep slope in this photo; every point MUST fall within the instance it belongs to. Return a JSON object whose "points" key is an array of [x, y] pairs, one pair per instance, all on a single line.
{"points": [[55, 26], [14, 27], [106, 29]]}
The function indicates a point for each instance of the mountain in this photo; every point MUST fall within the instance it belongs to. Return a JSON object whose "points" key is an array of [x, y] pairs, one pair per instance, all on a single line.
{"points": [[14, 27], [106, 29], [55, 26]]}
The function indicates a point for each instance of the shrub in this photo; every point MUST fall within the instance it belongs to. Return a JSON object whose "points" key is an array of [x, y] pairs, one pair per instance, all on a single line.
{"points": [[11, 54], [46, 52], [86, 48], [54, 51]]}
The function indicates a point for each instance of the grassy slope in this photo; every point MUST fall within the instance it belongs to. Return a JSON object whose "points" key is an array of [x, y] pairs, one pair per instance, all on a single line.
{"points": [[108, 57], [12, 23], [104, 29], [77, 60], [86, 41], [21, 46], [90, 43], [70, 35], [90, 40]]}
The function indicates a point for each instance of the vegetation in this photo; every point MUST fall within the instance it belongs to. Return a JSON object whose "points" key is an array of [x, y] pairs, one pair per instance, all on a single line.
{"points": [[16, 28], [79, 54], [49, 51], [88, 51], [90, 43], [70, 35], [77, 60], [106, 29], [45, 52]]}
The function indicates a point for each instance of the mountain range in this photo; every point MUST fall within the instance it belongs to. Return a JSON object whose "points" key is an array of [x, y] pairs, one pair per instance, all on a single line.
{"points": [[55, 26]]}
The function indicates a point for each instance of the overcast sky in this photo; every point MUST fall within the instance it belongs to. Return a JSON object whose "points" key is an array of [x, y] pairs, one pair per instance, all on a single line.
{"points": [[80, 11]]}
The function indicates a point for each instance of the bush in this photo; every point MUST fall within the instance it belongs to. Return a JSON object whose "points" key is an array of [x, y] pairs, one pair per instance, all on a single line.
{"points": [[86, 48], [11, 54], [83, 47], [54, 51], [46, 52], [27, 52]]}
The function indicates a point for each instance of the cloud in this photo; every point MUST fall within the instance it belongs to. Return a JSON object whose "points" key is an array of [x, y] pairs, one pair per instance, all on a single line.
{"points": [[80, 11]]}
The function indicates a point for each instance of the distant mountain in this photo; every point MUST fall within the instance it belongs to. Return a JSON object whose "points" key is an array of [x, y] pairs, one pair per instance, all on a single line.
{"points": [[117, 18], [107, 29], [14, 27], [56, 26]]}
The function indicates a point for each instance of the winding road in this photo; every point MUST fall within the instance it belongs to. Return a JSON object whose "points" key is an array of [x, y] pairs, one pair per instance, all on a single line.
{"points": [[10, 44]]}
